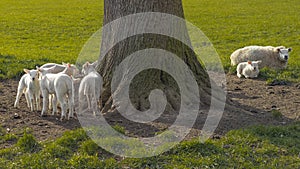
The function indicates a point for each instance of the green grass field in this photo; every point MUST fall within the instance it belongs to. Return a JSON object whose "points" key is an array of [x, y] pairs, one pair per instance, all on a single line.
{"points": [[34, 32], [232, 24], [256, 147]]}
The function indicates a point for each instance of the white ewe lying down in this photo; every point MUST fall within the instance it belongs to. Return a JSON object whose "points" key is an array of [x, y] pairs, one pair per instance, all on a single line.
{"points": [[29, 85], [90, 87], [273, 57], [248, 69], [61, 85]]}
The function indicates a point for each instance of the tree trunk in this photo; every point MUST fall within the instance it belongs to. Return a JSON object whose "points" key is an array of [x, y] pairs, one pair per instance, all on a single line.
{"points": [[147, 80]]}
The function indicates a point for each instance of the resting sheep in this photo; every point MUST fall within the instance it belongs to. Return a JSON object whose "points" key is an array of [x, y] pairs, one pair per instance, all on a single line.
{"points": [[61, 85], [90, 87], [29, 85], [273, 57], [248, 69]]}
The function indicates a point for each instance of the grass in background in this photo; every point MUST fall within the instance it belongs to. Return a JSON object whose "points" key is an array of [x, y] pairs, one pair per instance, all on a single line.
{"points": [[232, 24], [34, 32]]}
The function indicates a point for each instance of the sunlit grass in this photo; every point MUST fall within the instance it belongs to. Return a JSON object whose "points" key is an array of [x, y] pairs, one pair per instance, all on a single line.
{"points": [[255, 147], [232, 24], [34, 32]]}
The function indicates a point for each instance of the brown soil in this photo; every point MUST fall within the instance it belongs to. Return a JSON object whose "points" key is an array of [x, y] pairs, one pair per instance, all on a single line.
{"points": [[250, 101]]}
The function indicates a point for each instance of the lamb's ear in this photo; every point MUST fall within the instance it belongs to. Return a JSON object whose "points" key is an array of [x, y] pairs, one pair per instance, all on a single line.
{"points": [[289, 49], [68, 65], [26, 70], [249, 62]]}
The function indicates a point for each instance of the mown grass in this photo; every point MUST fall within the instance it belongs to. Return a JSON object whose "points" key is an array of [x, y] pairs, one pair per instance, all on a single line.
{"points": [[255, 147], [34, 32], [232, 24]]}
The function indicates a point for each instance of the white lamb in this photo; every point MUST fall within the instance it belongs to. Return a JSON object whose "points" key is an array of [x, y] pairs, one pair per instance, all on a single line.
{"points": [[57, 68], [90, 87], [29, 85], [248, 69], [273, 57], [61, 85], [65, 68]]}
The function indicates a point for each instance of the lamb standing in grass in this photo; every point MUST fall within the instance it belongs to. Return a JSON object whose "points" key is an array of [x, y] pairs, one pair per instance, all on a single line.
{"points": [[273, 57], [248, 69], [90, 87], [65, 68], [29, 85], [61, 85]]}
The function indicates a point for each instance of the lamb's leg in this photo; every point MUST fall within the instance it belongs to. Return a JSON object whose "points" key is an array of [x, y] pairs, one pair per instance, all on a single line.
{"points": [[45, 101], [19, 94], [30, 97], [38, 101], [27, 99], [54, 104], [239, 71], [50, 101], [96, 100], [88, 101], [95, 106], [71, 108], [239, 75], [71, 103], [61, 100]]}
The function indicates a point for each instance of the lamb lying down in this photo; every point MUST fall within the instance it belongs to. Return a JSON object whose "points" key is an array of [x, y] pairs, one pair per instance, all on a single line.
{"points": [[90, 87], [248, 69]]}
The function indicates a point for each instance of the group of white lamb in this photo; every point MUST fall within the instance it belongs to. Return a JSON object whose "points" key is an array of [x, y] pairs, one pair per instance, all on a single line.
{"points": [[56, 83], [249, 58]]}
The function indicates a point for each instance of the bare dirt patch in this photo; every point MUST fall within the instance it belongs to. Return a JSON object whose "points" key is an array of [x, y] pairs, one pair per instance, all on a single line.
{"points": [[250, 101]]}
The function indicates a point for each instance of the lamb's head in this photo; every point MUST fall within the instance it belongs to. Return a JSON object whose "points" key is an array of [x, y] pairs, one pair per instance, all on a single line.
{"points": [[70, 69], [254, 65], [87, 68], [283, 53], [32, 73]]}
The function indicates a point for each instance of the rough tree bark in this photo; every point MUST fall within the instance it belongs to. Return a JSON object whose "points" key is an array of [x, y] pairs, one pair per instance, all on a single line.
{"points": [[148, 80]]}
